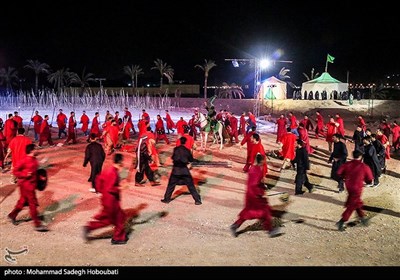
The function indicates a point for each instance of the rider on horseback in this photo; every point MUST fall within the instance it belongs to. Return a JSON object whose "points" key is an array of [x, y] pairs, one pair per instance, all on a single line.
{"points": [[211, 111]]}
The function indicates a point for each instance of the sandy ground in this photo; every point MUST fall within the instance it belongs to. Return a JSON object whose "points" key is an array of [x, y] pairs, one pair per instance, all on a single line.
{"points": [[184, 234]]}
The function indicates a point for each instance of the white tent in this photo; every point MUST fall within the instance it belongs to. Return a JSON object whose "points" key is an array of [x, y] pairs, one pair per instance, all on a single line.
{"points": [[273, 88], [325, 82]]}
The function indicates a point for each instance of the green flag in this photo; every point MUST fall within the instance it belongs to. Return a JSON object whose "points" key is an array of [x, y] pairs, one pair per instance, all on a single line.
{"points": [[330, 58]]}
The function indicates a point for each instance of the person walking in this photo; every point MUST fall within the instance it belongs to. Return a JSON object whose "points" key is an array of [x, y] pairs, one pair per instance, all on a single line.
{"points": [[26, 172], [94, 153], [180, 175], [256, 205], [337, 158], [108, 184], [354, 173], [302, 163]]}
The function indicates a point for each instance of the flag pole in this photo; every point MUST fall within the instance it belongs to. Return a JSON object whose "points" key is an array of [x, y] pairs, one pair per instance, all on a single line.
{"points": [[326, 64]]}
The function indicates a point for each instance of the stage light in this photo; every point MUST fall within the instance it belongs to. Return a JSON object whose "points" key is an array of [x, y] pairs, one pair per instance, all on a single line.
{"points": [[265, 63], [235, 63]]}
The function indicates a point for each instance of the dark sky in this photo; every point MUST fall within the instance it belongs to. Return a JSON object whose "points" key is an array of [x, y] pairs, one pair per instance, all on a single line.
{"points": [[104, 37]]}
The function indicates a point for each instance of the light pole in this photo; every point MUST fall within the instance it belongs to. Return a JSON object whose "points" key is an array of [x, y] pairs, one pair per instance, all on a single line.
{"points": [[100, 80]]}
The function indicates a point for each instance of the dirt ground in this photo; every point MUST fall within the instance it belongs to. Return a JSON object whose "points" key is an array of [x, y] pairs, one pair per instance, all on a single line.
{"points": [[184, 234]]}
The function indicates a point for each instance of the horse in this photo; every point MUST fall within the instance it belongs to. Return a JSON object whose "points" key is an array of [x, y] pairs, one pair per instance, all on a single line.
{"points": [[205, 128]]}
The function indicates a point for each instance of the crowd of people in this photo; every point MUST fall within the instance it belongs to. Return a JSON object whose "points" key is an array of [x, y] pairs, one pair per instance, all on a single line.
{"points": [[371, 151]]}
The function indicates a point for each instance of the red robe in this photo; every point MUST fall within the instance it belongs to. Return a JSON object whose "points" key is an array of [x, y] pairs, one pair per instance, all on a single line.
{"points": [[2, 143], [126, 130], [146, 116], [142, 126], [288, 146], [256, 205], [61, 121], [234, 128], [71, 130], [37, 121], [247, 140], [340, 128], [258, 149], [18, 119], [362, 124], [17, 146], [293, 122], [385, 142], [303, 135], [107, 183], [354, 173], [189, 141], [95, 126], [396, 136], [160, 131], [307, 124], [45, 134], [85, 123], [10, 130], [281, 123], [180, 126], [331, 130], [170, 123], [25, 171], [242, 123]]}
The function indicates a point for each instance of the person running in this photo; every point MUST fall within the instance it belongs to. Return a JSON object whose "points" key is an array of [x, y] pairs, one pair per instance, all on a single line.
{"points": [[354, 173], [180, 175], [256, 204]]}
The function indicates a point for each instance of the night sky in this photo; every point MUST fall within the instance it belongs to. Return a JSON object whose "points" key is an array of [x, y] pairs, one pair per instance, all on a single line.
{"points": [[104, 37]]}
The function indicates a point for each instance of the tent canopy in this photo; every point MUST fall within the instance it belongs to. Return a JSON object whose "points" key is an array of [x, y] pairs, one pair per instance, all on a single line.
{"points": [[273, 88], [325, 82]]}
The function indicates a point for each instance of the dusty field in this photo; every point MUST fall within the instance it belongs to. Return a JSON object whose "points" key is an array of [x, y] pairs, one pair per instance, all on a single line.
{"points": [[183, 234]]}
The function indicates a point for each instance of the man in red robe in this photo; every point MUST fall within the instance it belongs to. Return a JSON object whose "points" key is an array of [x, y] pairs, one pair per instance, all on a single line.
{"points": [[180, 127], [281, 130], [108, 184], [319, 128], [242, 124], [61, 123], [307, 123], [251, 121], [45, 133], [110, 135], [303, 135], [95, 125], [189, 141], [234, 128], [142, 126], [396, 136], [2, 143], [18, 119], [247, 140], [354, 173], [340, 128], [145, 115], [71, 129], [127, 113], [17, 148], [385, 142], [293, 124], [126, 128], [160, 131], [10, 129], [37, 121], [256, 205], [331, 130], [257, 148], [169, 121], [193, 127], [361, 123], [85, 123], [288, 148], [25, 171]]}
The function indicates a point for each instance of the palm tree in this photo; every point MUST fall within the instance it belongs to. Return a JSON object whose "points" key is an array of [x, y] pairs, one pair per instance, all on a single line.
{"points": [[9, 77], [165, 70], [61, 78], [283, 74], [133, 71], [230, 91], [312, 76], [206, 68], [83, 80], [38, 68]]}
